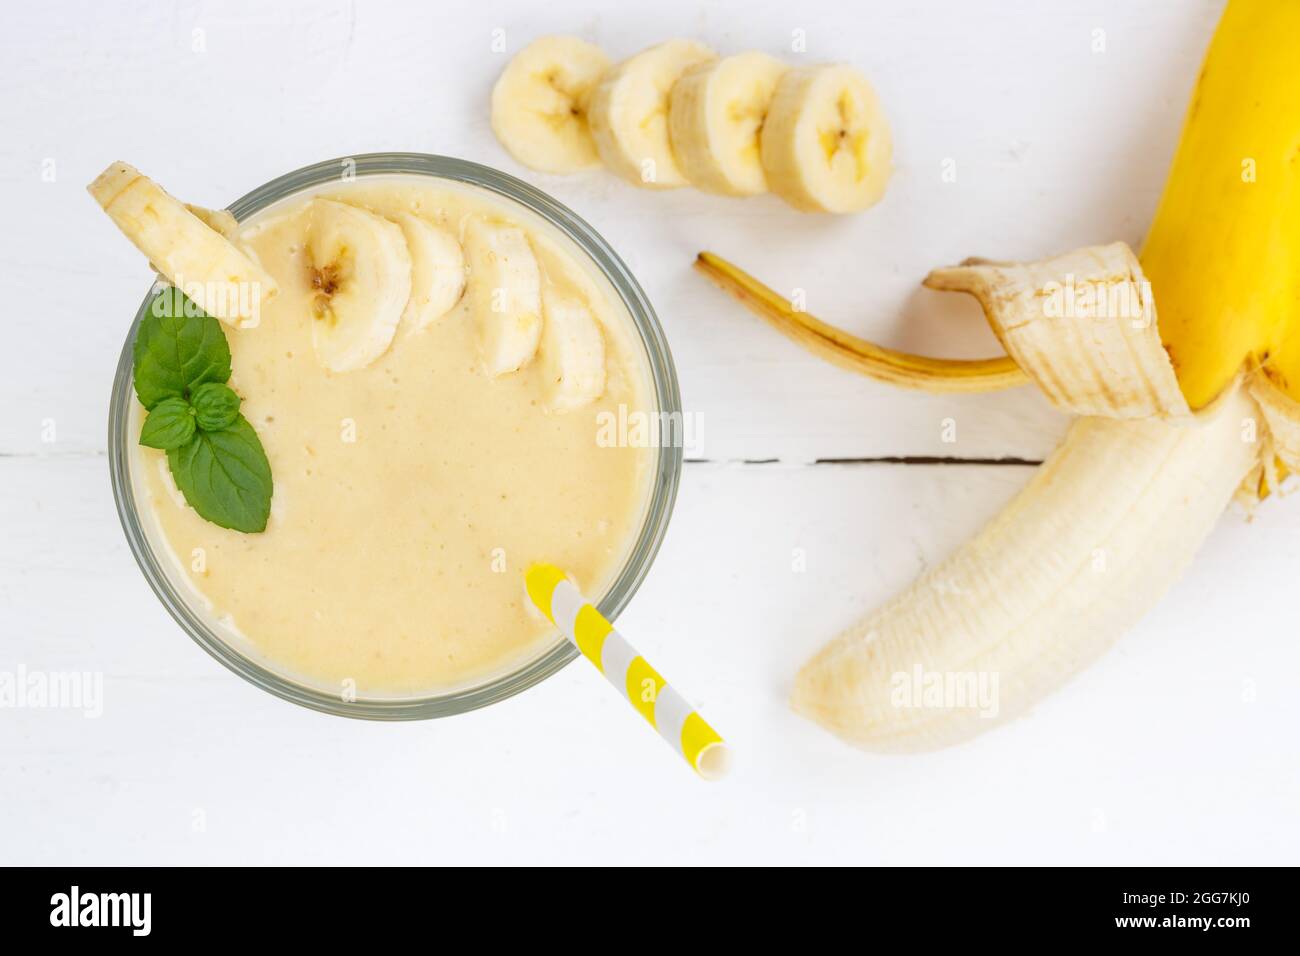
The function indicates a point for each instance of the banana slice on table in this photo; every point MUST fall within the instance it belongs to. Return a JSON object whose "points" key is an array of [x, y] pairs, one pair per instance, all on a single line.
{"points": [[629, 113], [715, 116], [539, 104], [437, 270], [571, 359], [361, 270], [216, 274], [826, 145], [505, 288]]}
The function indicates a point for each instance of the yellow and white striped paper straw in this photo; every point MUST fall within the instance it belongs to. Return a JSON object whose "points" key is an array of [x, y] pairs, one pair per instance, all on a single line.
{"points": [[665, 709]]}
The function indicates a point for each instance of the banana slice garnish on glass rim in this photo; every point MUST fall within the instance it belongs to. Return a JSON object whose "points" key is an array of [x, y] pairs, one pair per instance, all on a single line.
{"points": [[190, 246]]}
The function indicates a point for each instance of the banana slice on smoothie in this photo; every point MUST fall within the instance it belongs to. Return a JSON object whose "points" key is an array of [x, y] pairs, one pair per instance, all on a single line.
{"points": [[539, 104], [715, 116], [571, 359], [826, 145], [505, 288], [629, 113], [197, 258], [437, 270], [361, 270]]}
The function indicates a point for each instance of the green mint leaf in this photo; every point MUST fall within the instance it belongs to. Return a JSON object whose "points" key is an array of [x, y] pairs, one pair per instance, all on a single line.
{"points": [[177, 348], [225, 476], [170, 424], [182, 362], [216, 406]]}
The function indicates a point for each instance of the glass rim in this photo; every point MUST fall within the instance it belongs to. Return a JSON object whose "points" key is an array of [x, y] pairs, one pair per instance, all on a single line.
{"points": [[663, 493]]}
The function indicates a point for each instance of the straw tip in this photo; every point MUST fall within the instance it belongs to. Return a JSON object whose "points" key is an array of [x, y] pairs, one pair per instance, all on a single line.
{"points": [[714, 761]]}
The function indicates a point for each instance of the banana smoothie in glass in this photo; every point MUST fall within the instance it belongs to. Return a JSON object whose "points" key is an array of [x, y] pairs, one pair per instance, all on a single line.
{"points": [[432, 385]]}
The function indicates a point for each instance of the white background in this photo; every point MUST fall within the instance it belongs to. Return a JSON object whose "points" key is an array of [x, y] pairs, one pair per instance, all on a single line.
{"points": [[1179, 747]]}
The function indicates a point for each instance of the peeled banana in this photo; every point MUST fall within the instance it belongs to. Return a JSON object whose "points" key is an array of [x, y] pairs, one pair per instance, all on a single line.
{"points": [[1183, 408], [1103, 529]]}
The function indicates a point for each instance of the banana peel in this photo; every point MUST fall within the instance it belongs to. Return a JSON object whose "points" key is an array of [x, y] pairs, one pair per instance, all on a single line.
{"points": [[858, 355]]}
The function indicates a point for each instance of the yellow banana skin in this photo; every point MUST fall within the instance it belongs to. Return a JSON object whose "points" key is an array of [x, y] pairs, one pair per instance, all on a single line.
{"points": [[1223, 254], [852, 353]]}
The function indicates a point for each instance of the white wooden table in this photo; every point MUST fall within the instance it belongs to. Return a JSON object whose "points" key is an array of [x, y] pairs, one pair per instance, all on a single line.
{"points": [[1179, 747]]}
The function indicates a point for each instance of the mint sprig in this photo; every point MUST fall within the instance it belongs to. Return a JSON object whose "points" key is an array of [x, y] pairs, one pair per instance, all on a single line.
{"points": [[182, 364]]}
